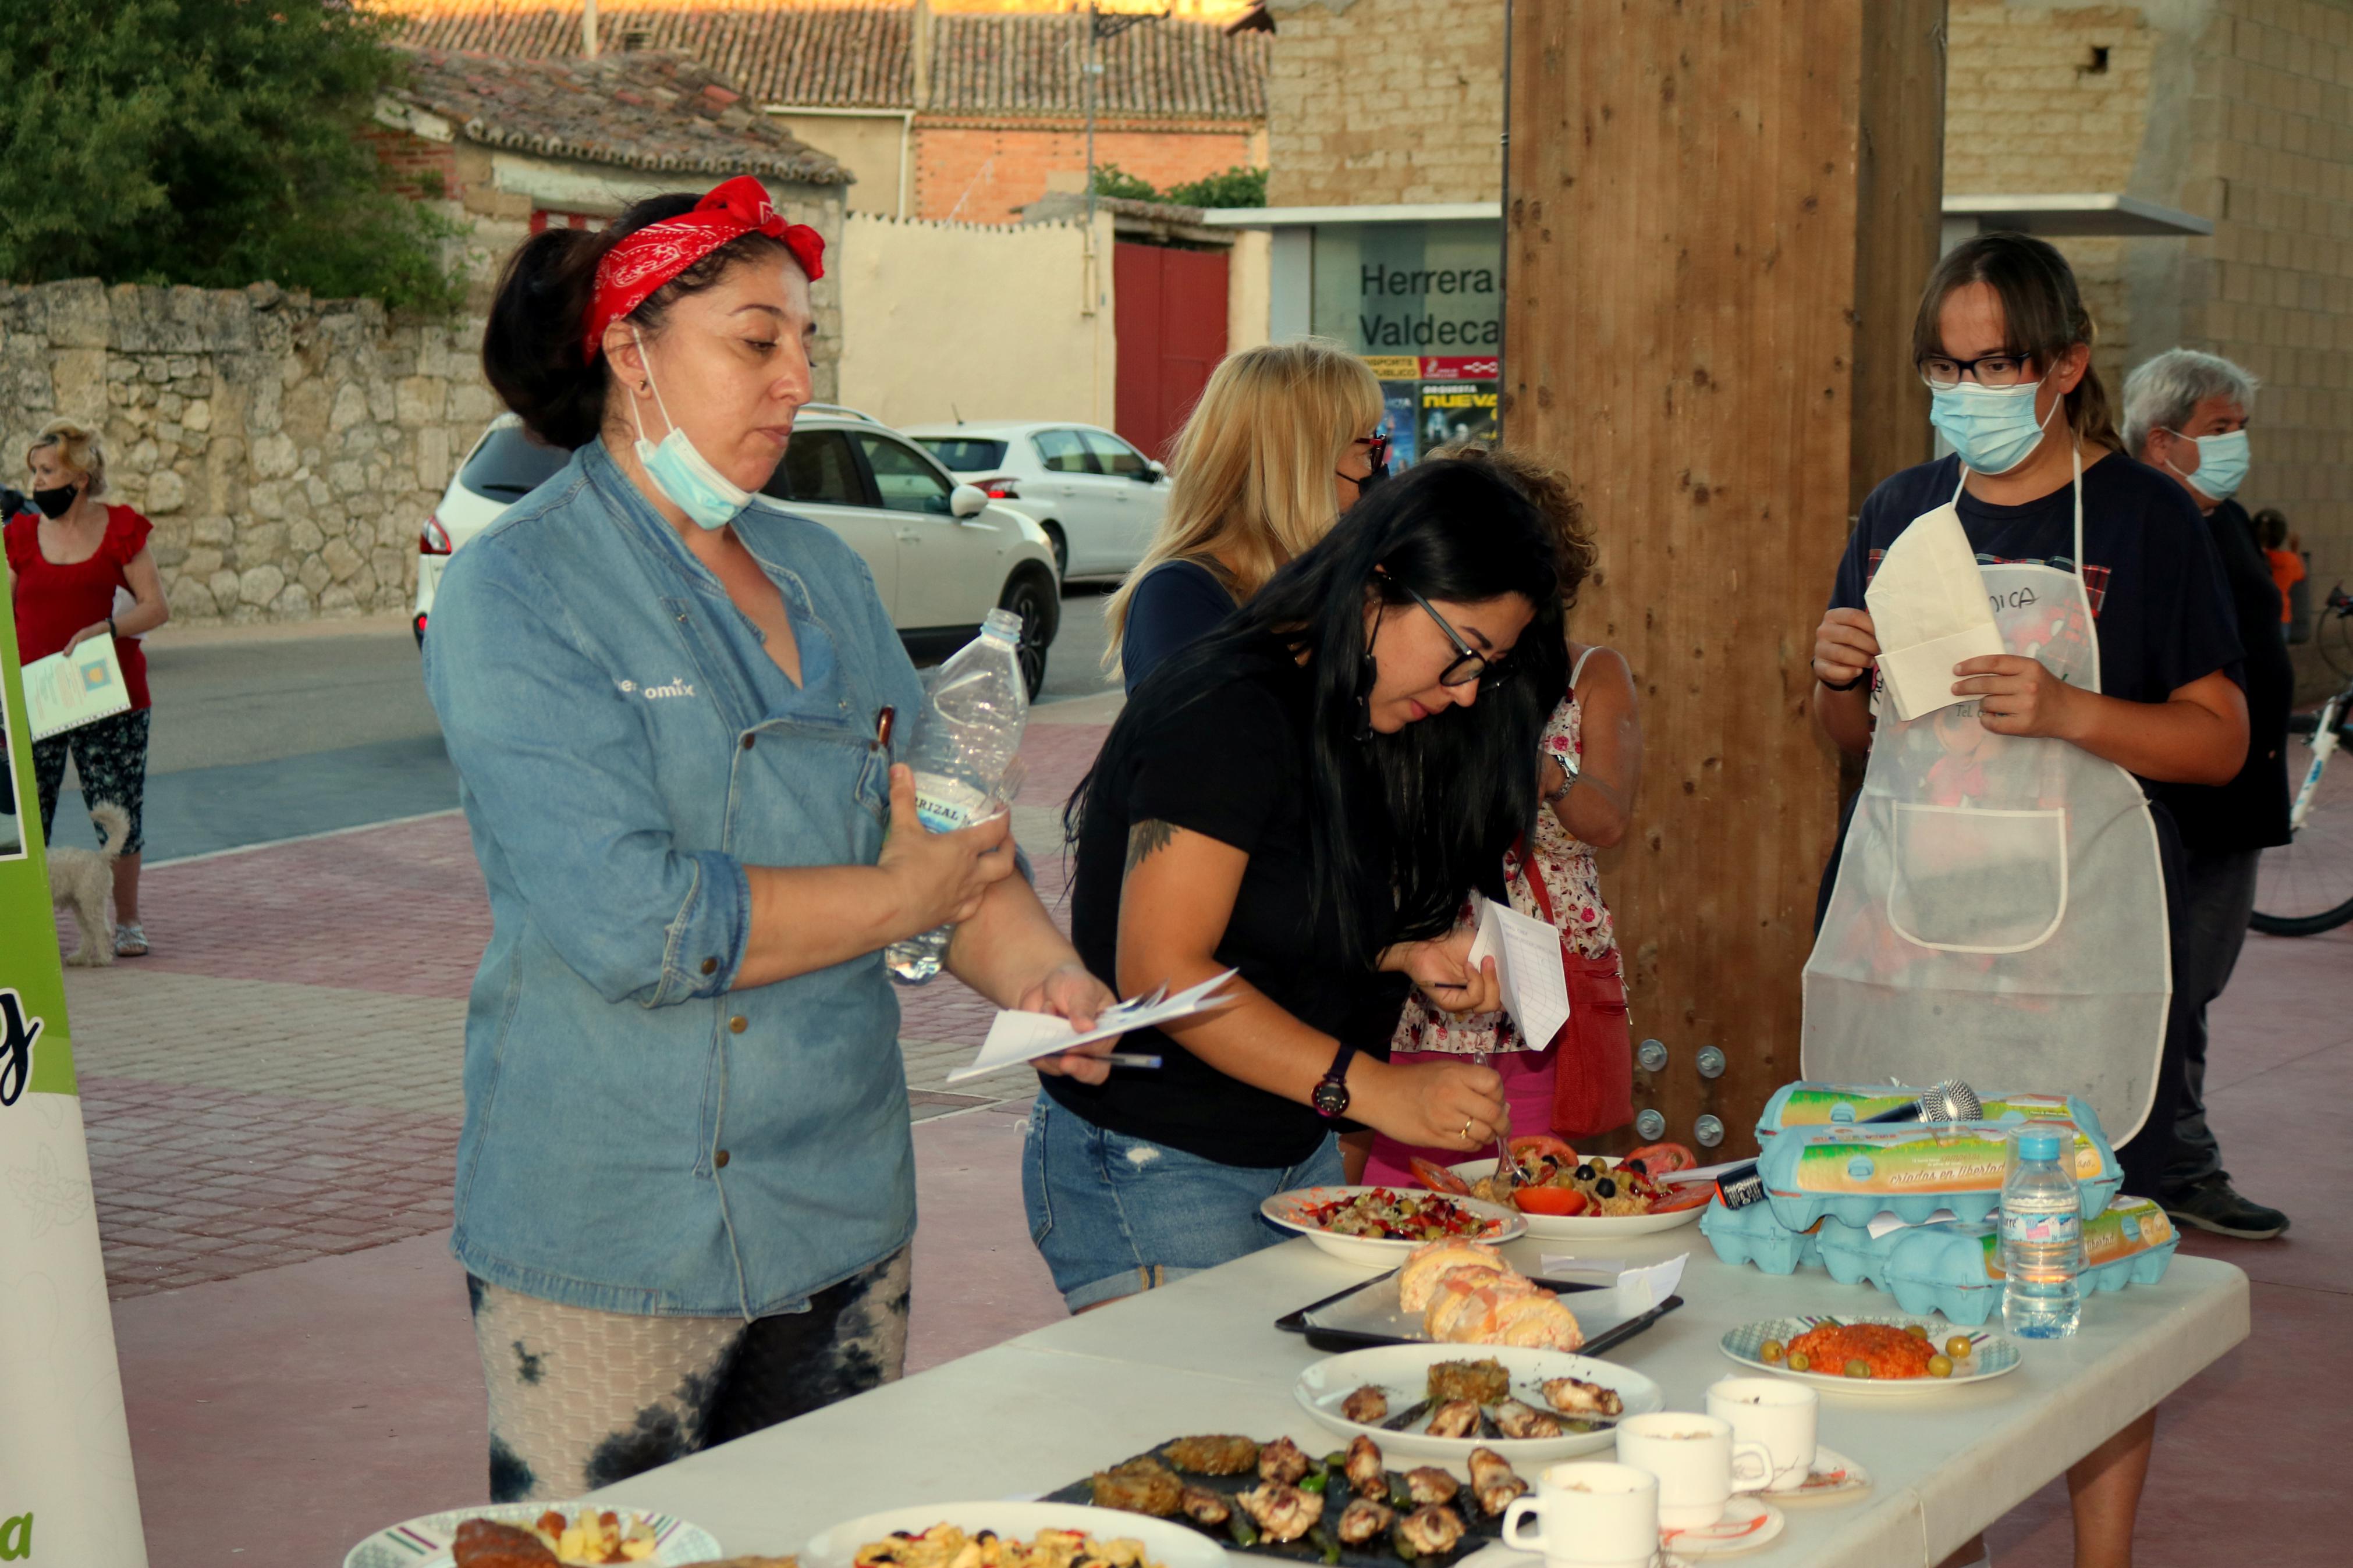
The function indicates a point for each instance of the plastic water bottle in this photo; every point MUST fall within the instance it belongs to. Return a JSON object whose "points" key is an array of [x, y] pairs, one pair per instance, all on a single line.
{"points": [[2041, 1241], [975, 707]]}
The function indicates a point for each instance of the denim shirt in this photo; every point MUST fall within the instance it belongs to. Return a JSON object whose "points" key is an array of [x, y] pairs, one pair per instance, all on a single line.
{"points": [[639, 1138]]}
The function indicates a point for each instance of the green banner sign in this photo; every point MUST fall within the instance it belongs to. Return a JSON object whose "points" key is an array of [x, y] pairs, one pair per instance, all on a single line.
{"points": [[66, 1494]]}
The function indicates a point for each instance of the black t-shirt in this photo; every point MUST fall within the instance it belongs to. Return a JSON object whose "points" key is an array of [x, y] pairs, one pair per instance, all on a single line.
{"points": [[1230, 761], [1175, 605], [2251, 811], [2156, 591]]}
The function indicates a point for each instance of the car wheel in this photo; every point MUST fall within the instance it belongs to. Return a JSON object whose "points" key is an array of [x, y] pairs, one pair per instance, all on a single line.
{"points": [[1061, 548], [1032, 598]]}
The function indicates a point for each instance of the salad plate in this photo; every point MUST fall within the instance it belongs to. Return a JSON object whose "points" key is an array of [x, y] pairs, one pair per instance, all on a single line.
{"points": [[1377, 1227]]}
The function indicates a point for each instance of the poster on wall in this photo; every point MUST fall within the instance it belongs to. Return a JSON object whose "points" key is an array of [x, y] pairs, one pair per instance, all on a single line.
{"points": [[1458, 411], [66, 1494], [1400, 410]]}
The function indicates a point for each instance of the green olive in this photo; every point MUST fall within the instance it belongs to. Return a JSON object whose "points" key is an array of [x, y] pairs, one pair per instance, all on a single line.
{"points": [[1799, 1361], [1858, 1368], [1918, 1330], [1957, 1347], [1771, 1350], [1941, 1366]]}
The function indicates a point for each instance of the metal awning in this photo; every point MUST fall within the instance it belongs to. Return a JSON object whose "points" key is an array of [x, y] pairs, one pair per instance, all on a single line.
{"points": [[2105, 214]]}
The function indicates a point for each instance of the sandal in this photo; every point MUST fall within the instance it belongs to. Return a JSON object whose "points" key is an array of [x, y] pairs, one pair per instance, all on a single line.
{"points": [[130, 941]]}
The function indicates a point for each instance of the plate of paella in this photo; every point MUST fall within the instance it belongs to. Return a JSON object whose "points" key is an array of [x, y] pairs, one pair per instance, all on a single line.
{"points": [[1872, 1354]]}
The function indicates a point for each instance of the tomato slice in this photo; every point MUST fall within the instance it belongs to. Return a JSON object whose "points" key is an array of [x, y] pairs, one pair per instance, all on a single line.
{"points": [[1658, 1159], [1688, 1196], [1549, 1200], [1438, 1178], [1542, 1146]]}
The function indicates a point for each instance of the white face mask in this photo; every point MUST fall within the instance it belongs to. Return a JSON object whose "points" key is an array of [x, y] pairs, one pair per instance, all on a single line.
{"points": [[1992, 427], [680, 471]]}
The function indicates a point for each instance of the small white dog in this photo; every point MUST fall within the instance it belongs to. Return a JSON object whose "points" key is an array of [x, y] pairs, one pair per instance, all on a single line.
{"points": [[83, 879]]}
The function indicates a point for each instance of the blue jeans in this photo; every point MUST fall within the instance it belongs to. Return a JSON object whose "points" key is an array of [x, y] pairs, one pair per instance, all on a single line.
{"points": [[1114, 1215]]}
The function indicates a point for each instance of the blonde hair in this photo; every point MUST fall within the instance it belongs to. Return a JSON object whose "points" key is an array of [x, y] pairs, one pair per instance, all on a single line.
{"points": [[78, 449], [1255, 465]]}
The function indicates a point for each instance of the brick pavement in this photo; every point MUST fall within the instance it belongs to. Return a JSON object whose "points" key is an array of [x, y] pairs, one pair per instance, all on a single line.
{"points": [[280, 1081]]}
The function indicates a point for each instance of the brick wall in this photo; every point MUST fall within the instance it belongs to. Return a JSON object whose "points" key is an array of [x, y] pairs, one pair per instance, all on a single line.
{"points": [[419, 167], [1385, 101], [985, 173], [286, 448]]}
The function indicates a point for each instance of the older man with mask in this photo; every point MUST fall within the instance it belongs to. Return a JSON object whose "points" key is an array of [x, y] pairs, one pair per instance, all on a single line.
{"points": [[2185, 416]]}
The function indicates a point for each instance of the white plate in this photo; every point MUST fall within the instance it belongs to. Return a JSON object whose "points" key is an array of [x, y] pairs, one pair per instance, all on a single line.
{"points": [[1169, 1545], [1404, 1371], [1994, 1354], [1747, 1522], [1574, 1226], [425, 1542], [1289, 1210], [1833, 1477]]}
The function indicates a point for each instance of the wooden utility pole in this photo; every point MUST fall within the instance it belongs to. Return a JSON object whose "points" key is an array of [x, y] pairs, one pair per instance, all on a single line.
{"points": [[1720, 215]]}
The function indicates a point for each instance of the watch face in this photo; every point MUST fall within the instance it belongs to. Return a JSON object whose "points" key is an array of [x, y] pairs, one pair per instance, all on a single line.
{"points": [[1331, 1098]]}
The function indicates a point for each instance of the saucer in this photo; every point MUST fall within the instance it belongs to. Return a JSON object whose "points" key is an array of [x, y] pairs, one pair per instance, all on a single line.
{"points": [[1835, 1479], [1749, 1521]]}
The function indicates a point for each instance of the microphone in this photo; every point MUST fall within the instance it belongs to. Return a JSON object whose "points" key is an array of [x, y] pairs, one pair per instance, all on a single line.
{"points": [[1739, 1186]]}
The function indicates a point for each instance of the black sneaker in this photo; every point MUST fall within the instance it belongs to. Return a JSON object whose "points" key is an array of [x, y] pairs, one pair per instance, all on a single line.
{"points": [[2212, 1205]]}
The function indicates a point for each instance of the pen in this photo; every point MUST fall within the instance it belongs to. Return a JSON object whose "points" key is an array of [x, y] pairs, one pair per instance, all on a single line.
{"points": [[1130, 1059]]}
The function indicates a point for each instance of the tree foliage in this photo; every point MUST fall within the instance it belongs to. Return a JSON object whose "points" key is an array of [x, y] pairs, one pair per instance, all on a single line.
{"points": [[217, 142], [1239, 186]]}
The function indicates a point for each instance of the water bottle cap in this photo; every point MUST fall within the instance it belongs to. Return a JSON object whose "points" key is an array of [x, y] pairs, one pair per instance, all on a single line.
{"points": [[1002, 624], [2037, 1145]]}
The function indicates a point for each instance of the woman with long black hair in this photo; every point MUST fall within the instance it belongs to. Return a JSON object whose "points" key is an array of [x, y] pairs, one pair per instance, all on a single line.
{"points": [[1305, 795]]}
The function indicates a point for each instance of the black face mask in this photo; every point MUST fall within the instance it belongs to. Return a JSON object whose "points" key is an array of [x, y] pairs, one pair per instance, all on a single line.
{"points": [[56, 503], [1380, 471]]}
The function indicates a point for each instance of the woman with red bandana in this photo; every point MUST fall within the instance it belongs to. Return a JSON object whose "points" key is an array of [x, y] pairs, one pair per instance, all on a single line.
{"points": [[685, 1187]]}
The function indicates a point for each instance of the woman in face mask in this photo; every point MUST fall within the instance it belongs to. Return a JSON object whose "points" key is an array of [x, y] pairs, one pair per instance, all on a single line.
{"points": [[71, 556], [1286, 437], [686, 1159], [1998, 907]]}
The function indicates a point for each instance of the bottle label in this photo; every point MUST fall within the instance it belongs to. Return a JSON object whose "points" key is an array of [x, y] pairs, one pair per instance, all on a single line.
{"points": [[945, 804], [2043, 1229]]}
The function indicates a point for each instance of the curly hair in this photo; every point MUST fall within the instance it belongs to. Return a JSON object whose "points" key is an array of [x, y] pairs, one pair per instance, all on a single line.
{"points": [[1547, 488]]}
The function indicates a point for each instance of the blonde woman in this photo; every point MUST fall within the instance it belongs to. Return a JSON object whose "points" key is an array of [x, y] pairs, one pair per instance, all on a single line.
{"points": [[1282, 443], [71, 556]]}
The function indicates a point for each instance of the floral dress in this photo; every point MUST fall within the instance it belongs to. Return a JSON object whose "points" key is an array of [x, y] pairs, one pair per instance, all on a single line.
{"points": [[1571, 882]]}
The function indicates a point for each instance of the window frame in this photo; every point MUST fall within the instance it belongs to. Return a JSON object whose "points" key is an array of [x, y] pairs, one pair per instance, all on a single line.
{"points": [[860, 476]]}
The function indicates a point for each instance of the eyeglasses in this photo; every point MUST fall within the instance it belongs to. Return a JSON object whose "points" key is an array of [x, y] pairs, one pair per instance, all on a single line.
{"points": [[1376, 447], [1470, 663], [1986, 370]]}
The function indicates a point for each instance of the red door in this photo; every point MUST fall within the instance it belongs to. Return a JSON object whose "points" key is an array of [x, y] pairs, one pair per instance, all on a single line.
{"points": [[1170, 316]]}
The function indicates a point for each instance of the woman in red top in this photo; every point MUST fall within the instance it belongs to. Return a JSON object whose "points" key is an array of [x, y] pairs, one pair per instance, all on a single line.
{"points": [[68, 562]]}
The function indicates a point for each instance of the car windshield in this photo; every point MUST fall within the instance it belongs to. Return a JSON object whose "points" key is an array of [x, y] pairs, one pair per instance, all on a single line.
{"points": [[965, 454], [509, 464]]}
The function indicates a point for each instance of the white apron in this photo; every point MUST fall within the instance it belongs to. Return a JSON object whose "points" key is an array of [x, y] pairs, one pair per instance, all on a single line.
{"points": [[2000, 910]]}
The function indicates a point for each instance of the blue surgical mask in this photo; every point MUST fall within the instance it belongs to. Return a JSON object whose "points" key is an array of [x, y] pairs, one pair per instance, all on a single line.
{"points": [[1992, 427], [2221, 463], [680, 471]]}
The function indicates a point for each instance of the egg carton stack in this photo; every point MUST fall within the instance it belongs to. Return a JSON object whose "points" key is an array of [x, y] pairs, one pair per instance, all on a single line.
{"points": [[1910, 1208]]}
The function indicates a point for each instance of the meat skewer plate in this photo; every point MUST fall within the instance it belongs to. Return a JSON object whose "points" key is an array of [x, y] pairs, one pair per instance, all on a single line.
{"points": [[1310, 1211], [1168, 1544], [1402, 1372], [424, 1542], [1990, 1354]]}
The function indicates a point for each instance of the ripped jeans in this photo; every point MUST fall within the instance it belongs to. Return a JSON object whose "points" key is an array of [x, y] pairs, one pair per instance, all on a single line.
{"points": [[581, 1398], [1114, 1215]]}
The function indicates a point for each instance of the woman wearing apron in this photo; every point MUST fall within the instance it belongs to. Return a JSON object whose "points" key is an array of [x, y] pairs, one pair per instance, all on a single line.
{"points": [[1998, 908]]}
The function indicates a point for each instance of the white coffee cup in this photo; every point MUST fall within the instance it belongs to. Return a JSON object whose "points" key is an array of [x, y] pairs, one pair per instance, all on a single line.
{"points": [[1590, 1516], [1698, 1464], [1777, 1413]]}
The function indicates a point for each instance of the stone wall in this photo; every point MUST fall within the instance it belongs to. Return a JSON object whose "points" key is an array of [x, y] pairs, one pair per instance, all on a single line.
{"points": [[1383, 101], [286, 449]]}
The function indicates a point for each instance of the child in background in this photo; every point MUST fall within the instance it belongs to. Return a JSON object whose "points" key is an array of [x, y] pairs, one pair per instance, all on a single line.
{"points": [[2284, 550]]}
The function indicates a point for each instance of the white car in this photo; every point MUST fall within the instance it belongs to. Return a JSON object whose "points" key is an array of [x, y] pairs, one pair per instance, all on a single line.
{"points": [[1098, 498], [943, 554]]}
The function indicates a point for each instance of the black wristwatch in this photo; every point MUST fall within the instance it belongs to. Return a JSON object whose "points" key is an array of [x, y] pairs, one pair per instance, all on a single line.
{"points": [[1331, 1097], [1849, 686]]}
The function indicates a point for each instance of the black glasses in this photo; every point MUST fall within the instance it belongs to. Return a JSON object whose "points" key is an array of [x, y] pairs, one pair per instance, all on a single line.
{"points": [[1470, 663], [1986, 370], [1377, 448]]}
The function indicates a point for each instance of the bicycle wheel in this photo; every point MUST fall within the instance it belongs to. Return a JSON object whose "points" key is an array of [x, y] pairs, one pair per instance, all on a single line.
{"points": [[2306, 887]]}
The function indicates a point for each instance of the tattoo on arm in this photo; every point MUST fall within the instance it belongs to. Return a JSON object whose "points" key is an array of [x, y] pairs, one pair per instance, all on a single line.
{"points": [[1143, 838]]}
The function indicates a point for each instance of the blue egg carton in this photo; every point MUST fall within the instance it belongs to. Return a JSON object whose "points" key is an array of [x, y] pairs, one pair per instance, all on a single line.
{"points": [[1810, 1102], [1751, 1235], [1852, 1173], [1955, 1268]]}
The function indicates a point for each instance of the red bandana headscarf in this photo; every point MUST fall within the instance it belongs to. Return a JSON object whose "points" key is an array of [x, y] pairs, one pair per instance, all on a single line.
{"points": [[658, 252]]}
